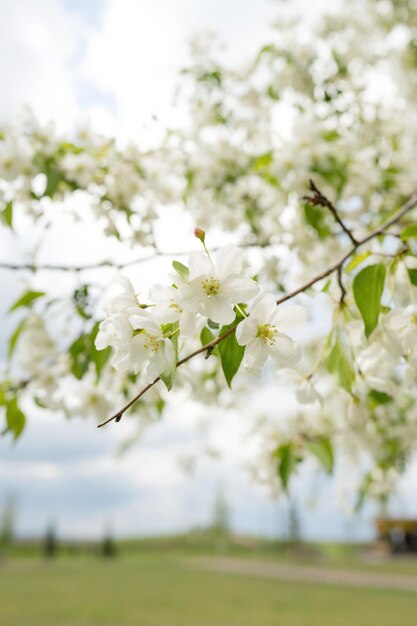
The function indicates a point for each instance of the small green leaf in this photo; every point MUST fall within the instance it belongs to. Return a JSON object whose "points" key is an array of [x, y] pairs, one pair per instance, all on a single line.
{"points": [[15, 418], [368, 287], [322, 448], [286, 462], [413, 276], [14, 337], [338, 363], [379, 397], [7, 214], [182, 270], [315, 217], [99, 357], [357, 260], [53, 178], [206, 336], [26, 299], [231, 353], [409, 232]]}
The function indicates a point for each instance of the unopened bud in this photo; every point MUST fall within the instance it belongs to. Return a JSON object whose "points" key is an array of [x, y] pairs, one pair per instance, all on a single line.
{"points": [[200, 234]]}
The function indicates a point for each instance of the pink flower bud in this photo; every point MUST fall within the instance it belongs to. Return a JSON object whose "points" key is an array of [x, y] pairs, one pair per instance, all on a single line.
{"points": [[200, 234]]}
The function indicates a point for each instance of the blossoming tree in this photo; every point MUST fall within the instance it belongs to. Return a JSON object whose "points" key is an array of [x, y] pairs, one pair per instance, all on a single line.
{"points": [[304, 159]]}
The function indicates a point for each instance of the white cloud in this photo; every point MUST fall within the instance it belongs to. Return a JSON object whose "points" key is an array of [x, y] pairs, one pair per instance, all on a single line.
{"points": [[39, 42]]}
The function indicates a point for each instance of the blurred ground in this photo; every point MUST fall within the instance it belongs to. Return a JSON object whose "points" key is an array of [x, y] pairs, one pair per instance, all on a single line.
{"points": [[159, 587]]}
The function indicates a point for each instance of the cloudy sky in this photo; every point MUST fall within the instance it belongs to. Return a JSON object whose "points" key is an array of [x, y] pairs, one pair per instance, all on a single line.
{"points": [[114, 63]]}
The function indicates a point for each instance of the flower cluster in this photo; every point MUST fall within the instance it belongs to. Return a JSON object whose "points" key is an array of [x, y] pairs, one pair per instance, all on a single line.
{"points": [[208, 290]]}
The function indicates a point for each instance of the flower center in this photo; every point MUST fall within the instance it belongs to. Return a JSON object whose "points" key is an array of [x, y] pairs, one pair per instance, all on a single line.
{"points": [[267, 333], [211, 286], [152, 342], [414, 319], [176, 307]]}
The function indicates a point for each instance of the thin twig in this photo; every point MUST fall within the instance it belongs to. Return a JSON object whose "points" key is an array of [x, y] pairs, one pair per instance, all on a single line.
{"points": [[33, 267], [336, 267], [319, 199]]}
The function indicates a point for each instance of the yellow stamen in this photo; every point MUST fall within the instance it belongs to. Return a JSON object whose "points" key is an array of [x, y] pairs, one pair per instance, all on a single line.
{"points": [[212, 286], [267, 333]]}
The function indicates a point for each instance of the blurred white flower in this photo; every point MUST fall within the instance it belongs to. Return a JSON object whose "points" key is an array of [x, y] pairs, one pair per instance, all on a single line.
{"points": [[305, 390]]}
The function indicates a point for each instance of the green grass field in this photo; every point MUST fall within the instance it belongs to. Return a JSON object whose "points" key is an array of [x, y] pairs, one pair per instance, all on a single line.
{"points": [[160, 589]]}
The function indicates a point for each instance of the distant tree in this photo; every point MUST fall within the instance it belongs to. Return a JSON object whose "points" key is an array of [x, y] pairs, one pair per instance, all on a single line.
{"points": [[108, 546], [294, 531], [221, 514], [8, 515], [50, 544]]}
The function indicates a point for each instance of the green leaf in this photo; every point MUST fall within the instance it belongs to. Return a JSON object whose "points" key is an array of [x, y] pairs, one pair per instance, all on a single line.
{"points": [[262, 161], [338, 363], [379, 397], [409, 232], [15, 418], [413, 276], [83, 352], [368, 287], [357, 260], [286, 462], [322, 448], [53, 177], [80, 358], [206, 336], [26, 299], [182, 270], [99, 357], [14, 337], [231, 353], [7, 214], [316, 219], [168, 377]]}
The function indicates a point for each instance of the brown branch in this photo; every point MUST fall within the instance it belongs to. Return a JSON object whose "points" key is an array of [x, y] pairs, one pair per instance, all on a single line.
{"points": [[319, 199], [33, 267], [336, 267]]}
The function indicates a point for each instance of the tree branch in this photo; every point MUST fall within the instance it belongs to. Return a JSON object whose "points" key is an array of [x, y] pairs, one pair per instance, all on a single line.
{"points": [[33, 267], [319, 199], [336, 267]]}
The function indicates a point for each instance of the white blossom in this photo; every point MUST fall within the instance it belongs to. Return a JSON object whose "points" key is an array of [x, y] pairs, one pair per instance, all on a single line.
{"points": [[263, 333], [215, 287], [169, 307], [150, 348]]}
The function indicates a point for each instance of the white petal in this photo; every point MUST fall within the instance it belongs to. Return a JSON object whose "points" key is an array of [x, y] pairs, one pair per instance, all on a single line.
{"points": [[136, 321], [285, 351], [138, 353], [255, 354], [187, 323], [229, 260], [169, 353], [219, 310], [246, 331], [289, 317], [240, 289], [156, 366], [164, 314], [162, 292], [263, 307], [199, 265]]}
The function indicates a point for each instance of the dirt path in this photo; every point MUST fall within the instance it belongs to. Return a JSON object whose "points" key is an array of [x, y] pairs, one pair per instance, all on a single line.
{"points": [[305, 573]]}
